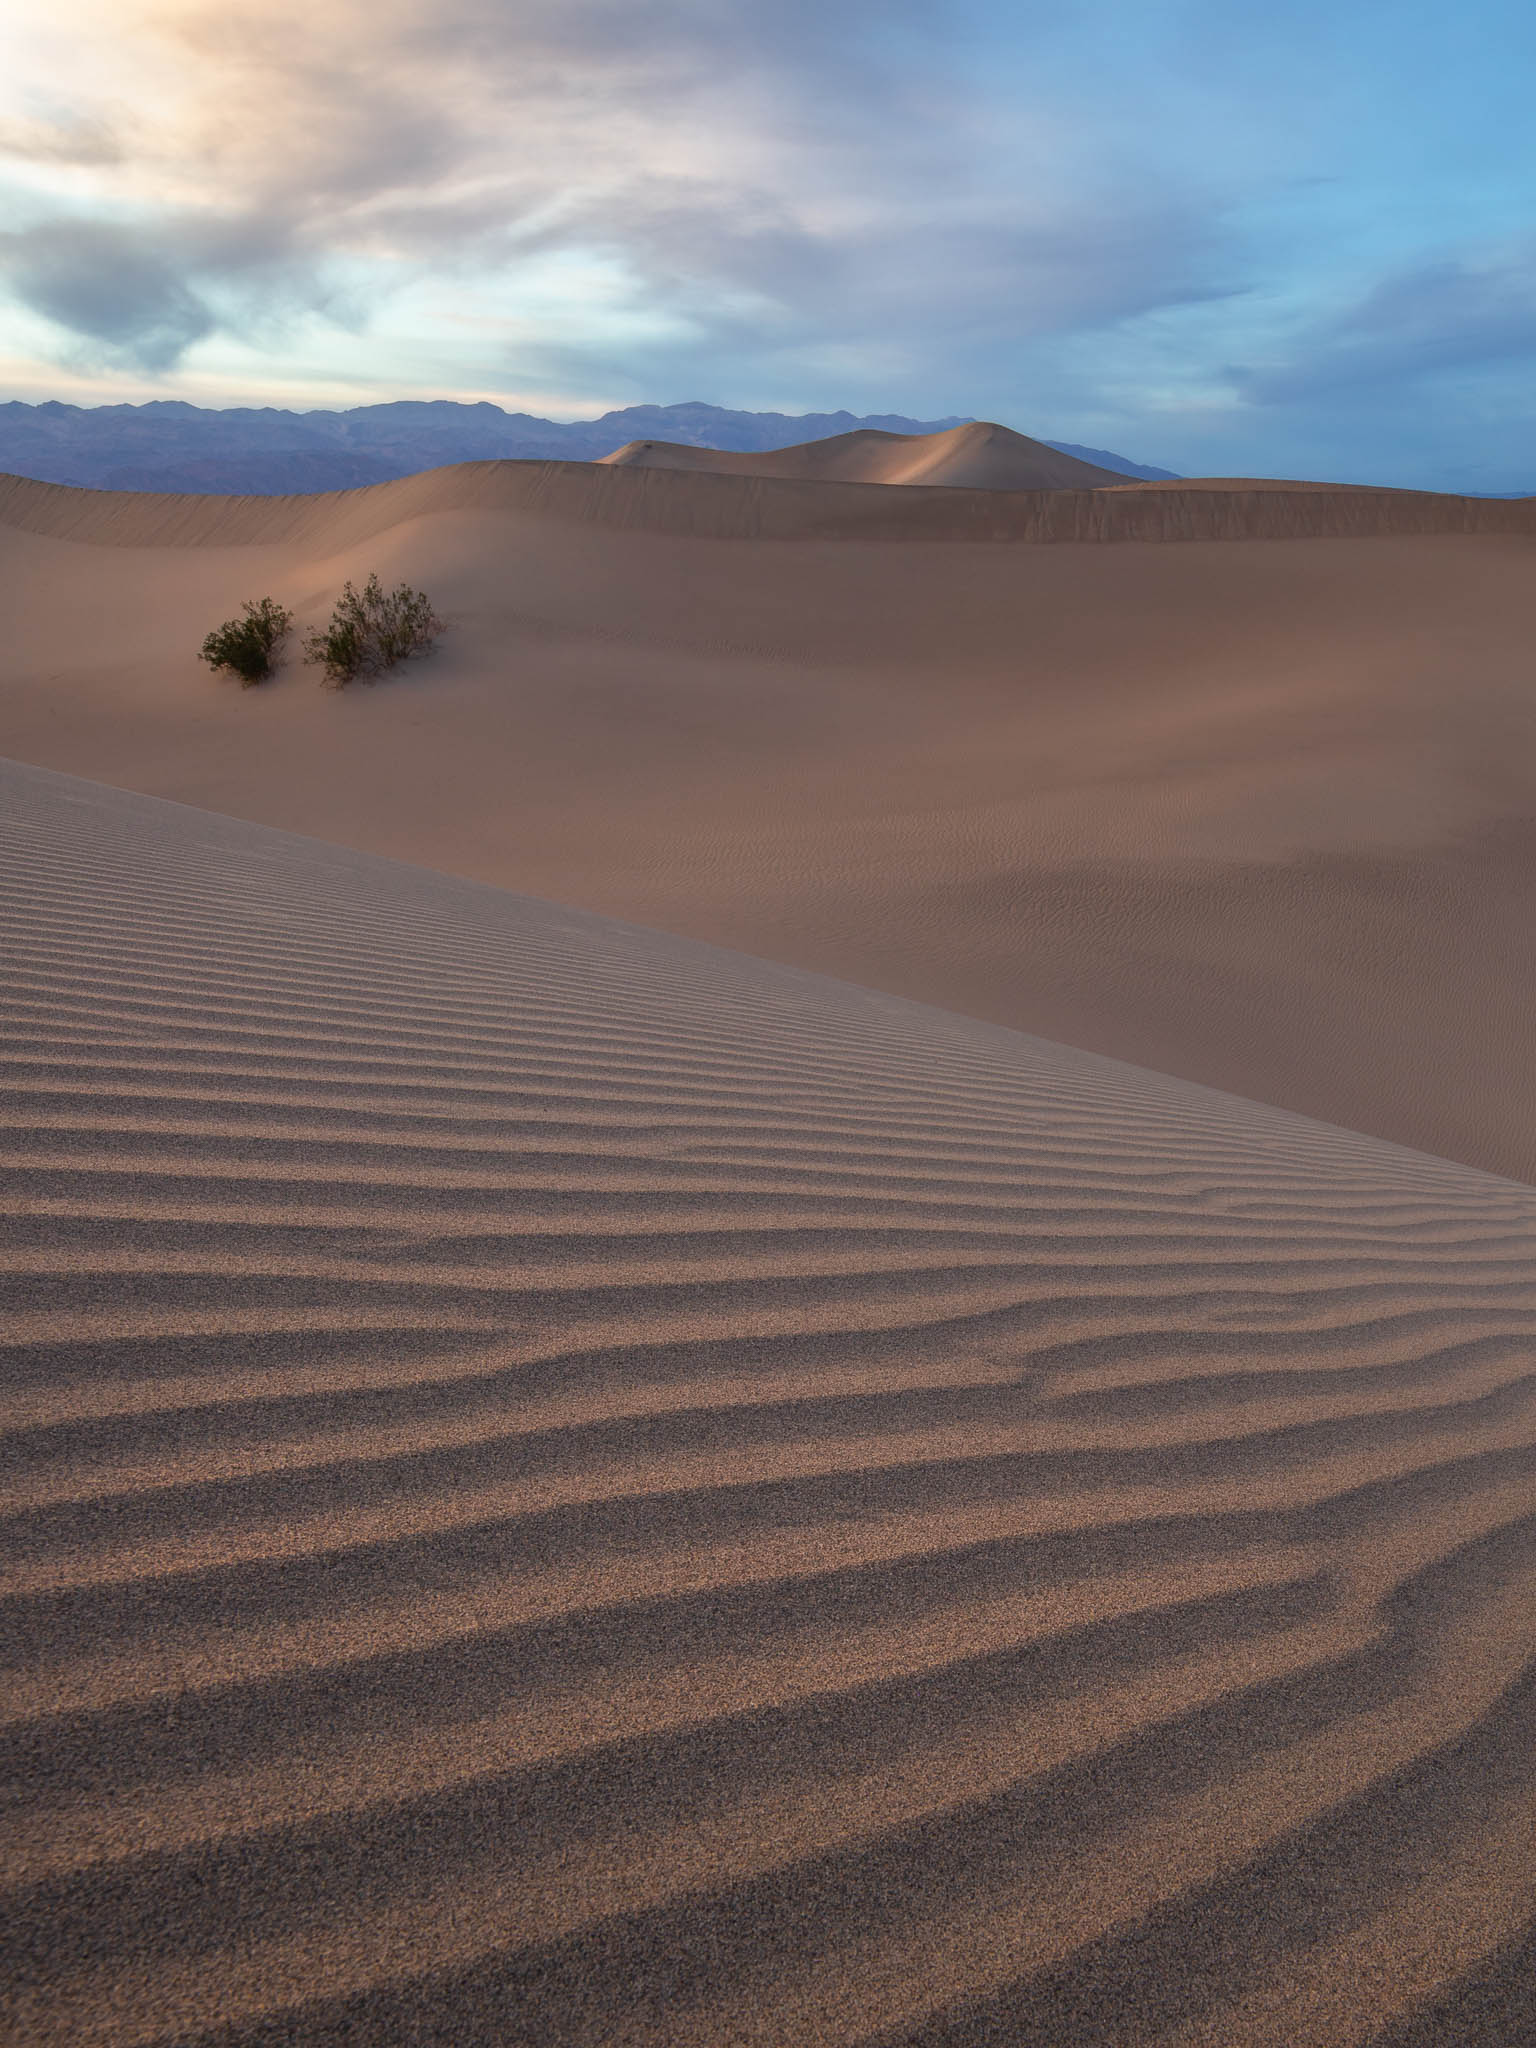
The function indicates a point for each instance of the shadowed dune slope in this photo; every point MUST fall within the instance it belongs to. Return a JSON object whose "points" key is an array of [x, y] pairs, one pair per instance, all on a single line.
{"points": [[1259, 813], [976, 456], [562, 1486]]}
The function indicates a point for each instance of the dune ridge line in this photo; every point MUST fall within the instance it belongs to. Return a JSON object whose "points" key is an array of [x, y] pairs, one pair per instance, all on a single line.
{"points": [[701, 503]]}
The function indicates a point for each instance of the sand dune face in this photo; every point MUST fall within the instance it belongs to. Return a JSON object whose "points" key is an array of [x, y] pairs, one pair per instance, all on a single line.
{"points": [[563, 1486], [977, 456], [1255, 812]]}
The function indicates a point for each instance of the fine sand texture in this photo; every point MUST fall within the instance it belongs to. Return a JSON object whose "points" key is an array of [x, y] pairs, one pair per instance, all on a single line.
{"points": [[977, 456], [568, 1487], [1259, 811]]}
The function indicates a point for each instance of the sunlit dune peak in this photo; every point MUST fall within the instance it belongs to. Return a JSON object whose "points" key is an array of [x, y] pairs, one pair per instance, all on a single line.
{"points": [[977, 456]]}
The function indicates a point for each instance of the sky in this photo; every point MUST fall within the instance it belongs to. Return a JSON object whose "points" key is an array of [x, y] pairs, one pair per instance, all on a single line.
{"points": [[1223, 236]]}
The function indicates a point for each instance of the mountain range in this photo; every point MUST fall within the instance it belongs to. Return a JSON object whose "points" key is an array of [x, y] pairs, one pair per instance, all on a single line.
{"points": [[168, 445]]}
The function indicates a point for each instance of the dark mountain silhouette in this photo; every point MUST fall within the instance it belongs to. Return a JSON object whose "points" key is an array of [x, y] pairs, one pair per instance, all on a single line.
{"points": [[168, 445]]}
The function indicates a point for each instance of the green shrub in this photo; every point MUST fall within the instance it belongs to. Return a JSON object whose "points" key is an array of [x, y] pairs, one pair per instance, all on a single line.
{"points": [[371, 630], [246, 647]]}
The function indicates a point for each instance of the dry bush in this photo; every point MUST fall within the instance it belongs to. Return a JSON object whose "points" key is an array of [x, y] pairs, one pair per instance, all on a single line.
{"points": [[372, 630], [247, 646]]}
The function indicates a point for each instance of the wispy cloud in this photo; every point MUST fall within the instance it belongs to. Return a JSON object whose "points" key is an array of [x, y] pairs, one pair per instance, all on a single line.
{"points": [[800, 175], [1451, 314]]}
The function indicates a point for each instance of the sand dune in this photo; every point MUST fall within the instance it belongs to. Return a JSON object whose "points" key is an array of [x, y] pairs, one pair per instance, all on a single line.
{"points": [[977, 456], [564, 1486], [698, 503], [1257, 813]]}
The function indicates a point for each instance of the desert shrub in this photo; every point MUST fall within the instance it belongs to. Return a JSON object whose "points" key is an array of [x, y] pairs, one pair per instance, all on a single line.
{"points": [[371, 630], [247, 646]]}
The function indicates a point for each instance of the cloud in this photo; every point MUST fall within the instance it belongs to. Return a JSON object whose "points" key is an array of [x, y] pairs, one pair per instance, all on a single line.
{"points": [[109, 285], [780, 178], [1447, 315], [141, 294], [66, 140]]}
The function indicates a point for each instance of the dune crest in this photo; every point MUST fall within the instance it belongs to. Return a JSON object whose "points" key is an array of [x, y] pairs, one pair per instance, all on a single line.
{"points": [[695, 503], [565, 1486], [976, 456]]}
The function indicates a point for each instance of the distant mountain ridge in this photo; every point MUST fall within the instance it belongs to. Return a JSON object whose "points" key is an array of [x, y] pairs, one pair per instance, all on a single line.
{"points": [[168, 445]]}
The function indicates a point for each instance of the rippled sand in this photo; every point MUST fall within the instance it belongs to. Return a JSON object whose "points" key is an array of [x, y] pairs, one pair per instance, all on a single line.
{"points": [[567, 1486]]}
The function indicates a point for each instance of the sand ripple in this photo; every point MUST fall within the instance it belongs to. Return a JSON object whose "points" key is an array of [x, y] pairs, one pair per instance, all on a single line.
{"points": [[562, 1486]]}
